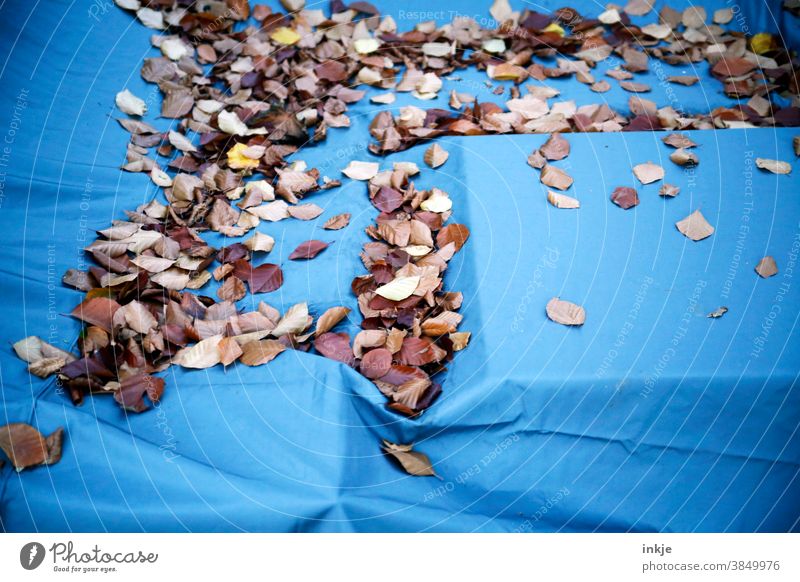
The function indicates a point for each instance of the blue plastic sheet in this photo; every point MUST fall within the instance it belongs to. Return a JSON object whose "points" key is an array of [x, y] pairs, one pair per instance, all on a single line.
{"points": [[649, 417]]}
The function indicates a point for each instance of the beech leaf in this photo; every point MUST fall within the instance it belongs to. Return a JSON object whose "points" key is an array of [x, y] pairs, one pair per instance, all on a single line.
{"points": [[565, 313], [413, 462], [695, 226], [767, 267]]}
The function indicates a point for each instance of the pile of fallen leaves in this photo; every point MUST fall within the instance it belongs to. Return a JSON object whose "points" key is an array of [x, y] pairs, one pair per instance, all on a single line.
{"points": [[410, 326], [750, 67], [245, 98]]}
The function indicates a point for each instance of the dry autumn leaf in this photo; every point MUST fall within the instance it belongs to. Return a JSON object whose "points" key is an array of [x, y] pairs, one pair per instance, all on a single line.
{"points": [[648, 173], [361, 170], [555, 148], [256, 353], [337, 222], [328, 320], [399, 288], [26, 447], [565, 313], [774, 166], [555, 177], [561, 200], [308, 250], [435, 156], [695, 226], [625, 197], [767, 267], [413, 462]]}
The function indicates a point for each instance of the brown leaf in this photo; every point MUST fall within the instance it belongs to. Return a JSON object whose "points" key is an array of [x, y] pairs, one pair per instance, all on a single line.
{"points": [[413, 462], [335, 346], [435, 156], [684, 158], [97, 311], [767, 267], [262, 279], [625, 197], [232, 289], [260, 352], [308, 250], [376, 363], [565, 313], [387, 200], [678, 140], [555, 148], [453, 233], [229, 350], [555, 177], [304, 211], [132, 390], [635, 87], [26, 447], [337, 222], [695, 226]]}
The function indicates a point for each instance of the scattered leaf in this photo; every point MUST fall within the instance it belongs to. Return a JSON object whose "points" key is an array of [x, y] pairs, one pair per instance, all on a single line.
{"points": [[308, 250], [565, 313], [413, 462], [695, 226], [767, 267]]}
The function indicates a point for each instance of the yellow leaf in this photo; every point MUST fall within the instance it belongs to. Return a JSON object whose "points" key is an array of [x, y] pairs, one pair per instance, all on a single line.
{"points": [[553, 27], [238, 161], [761, 43], [285, 35]]}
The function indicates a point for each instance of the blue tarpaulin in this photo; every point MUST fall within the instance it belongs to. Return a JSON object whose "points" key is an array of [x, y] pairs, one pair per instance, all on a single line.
{"points": [[650, 417]]}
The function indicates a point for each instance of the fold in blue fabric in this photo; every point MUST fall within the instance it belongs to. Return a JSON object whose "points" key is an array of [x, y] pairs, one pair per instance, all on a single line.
{"points": [[650, 417]]}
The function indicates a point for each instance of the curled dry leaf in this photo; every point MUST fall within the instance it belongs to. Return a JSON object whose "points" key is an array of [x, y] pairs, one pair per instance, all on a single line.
{"points": [[668, 190], [328, 320], [129, 103], [678, 140], [26, 447], [774, 166], [683, 157], [435, 156], [294, 321], [648, 173], [625, 197], [337, 222], [260, 242], [565, 313], [562, 200], [767, 267], [695, 226], [555, 177], [413, 462], [717, 313]]}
